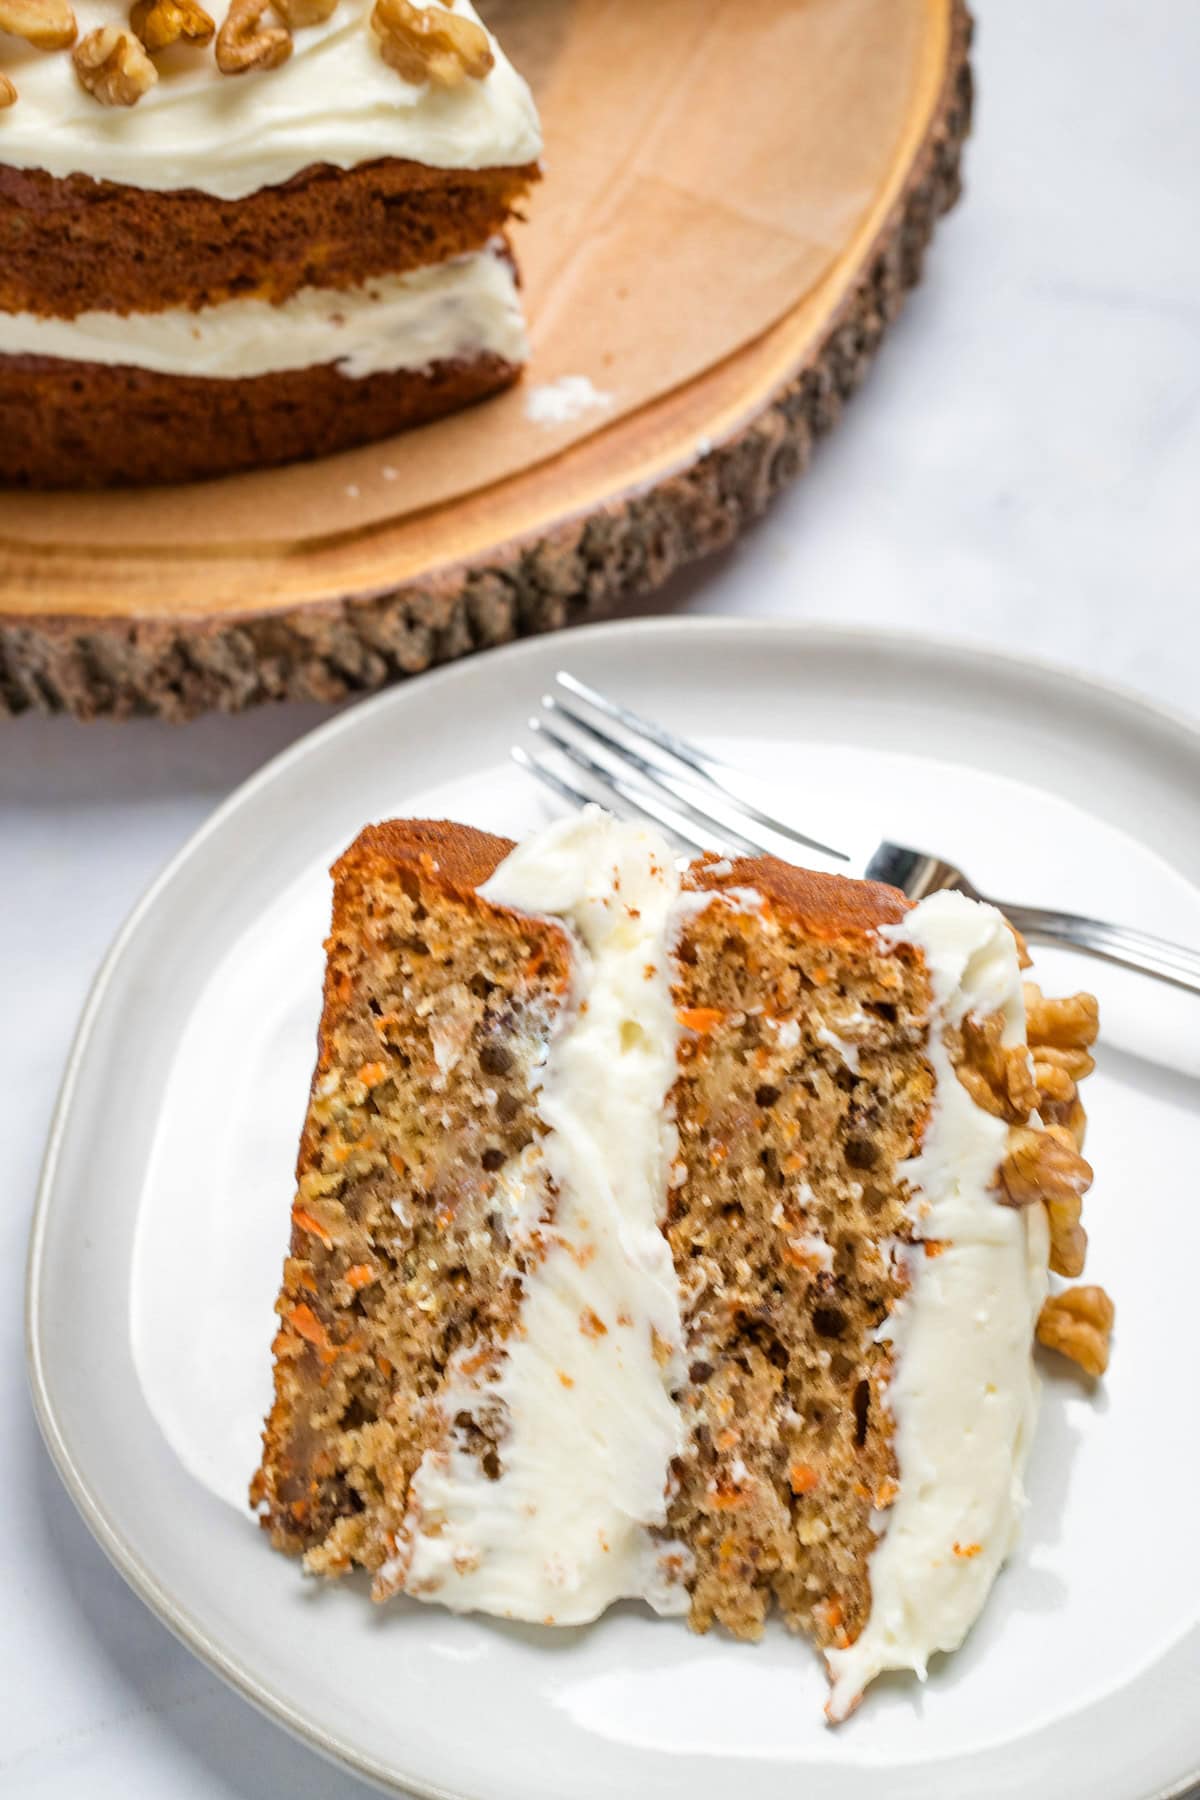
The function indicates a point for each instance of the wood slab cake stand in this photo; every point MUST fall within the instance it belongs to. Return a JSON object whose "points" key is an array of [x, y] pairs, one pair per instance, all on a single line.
{"points": [[103, 631]]}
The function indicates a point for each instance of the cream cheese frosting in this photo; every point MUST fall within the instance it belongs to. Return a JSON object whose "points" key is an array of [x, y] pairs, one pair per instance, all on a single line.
{"points": [[334, 101], [964, 1395], [586, 1386], [466, 307]]}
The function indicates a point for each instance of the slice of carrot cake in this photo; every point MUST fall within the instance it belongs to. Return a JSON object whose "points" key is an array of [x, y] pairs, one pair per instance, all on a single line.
{"points": [[673, 1232]]}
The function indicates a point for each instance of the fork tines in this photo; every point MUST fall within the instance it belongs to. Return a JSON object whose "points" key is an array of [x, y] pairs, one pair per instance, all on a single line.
{"points": [[630, 763]]}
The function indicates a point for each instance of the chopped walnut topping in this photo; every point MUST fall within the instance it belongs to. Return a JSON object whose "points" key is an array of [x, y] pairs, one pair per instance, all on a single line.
{"points": [[245, 43], [431, 44], [1041, 1165], [1046, 1166], [1068, 1239], [113, 66], [296, 13], [997, 1076], [1077, 1063], [1069, 1024], [1078, 1323], [1063, 1201], [161, 22], [8, 92], [46, 24], [1058, 1090], [1055, 1088], [1007, 1091]]}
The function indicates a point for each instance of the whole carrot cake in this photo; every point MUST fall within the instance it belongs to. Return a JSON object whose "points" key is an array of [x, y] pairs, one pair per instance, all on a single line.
{"points": [[228, 240], [678, 1233]]}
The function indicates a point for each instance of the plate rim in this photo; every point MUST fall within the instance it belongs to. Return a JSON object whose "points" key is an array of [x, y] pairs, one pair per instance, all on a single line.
{"points": [[117, 1546]]}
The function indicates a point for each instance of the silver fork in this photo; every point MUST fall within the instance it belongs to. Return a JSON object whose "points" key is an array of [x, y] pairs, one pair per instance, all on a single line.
{"points": [[636, 766]]}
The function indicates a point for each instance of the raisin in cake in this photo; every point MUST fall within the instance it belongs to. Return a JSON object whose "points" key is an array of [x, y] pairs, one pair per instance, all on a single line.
{"points": [[244, 237], [671, 1232]]}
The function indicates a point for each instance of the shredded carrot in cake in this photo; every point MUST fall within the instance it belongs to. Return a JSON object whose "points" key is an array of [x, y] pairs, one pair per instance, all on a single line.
{"points": [[313, 1226], [305, 1322], [700, 1019]]}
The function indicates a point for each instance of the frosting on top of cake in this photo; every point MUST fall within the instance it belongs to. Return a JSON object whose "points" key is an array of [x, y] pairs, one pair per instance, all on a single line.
{"points": [[964, 1395], [334, 101], [586, 1384], [466, 307]]}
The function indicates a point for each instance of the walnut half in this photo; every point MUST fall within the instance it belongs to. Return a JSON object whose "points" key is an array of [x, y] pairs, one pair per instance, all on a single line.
{"points": [[1070, 1024], [431, 43], [245, 43], [996, 1075], [1078, 1323], [159, 23], [1046, 1166], [1041, 1165], [1056, 1075], [46, 24], [113, 66]]}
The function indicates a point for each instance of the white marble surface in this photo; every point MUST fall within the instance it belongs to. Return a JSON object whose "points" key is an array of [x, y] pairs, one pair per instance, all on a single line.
{"points": [[1021, 469]]}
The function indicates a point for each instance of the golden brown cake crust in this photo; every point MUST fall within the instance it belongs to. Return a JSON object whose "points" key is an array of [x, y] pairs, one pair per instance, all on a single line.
{"points": [[460, 856], [827, 905], [67, 424], [75, 245]]}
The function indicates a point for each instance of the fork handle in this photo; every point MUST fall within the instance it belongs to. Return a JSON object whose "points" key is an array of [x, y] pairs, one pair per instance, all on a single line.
{"points": [[1111, 943]]}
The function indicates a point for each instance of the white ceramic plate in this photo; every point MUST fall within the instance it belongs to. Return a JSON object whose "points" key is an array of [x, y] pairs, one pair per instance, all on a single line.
{"points": [[186, 1089]]}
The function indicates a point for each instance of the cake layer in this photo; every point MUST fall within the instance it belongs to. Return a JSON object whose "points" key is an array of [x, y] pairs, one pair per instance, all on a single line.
{"points": [[401, 1220], [449, 312], [77, 245], [67, 424], [803, 1088], [335, 100]]}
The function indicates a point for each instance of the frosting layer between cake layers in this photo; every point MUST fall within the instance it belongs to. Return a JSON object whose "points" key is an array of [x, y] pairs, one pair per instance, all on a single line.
{"points": [[464, 308], [565, 1531], [334, 101]]}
